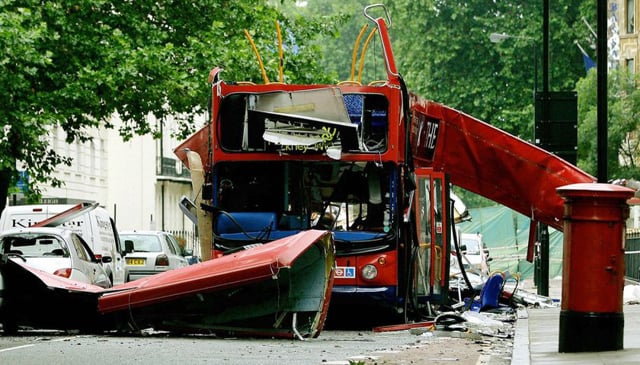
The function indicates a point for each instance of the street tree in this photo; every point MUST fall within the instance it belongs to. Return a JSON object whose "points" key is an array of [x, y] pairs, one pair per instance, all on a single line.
{"points": [[623, 121], [74, 64], [443, 51], [445, 54]]}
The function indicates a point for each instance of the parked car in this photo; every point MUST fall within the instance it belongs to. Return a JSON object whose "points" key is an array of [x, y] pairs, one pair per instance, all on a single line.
{"points": [[475, 253], [151, 252], [58, 251], [93, 224]]}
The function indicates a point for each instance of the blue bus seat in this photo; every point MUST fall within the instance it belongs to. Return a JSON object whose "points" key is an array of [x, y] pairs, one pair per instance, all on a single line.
{"points": [[354, 104], [490, 293]]}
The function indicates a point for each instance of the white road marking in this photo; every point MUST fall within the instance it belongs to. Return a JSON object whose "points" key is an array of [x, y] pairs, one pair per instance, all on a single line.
{"points": [[16, 348]]}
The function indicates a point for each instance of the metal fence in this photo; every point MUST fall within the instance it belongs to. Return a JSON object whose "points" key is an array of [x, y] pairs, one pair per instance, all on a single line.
{"points": [[632, 254], [188, 239]]}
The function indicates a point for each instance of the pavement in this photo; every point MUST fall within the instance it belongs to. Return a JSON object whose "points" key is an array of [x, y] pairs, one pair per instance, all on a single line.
{"points": [[537, 337]]}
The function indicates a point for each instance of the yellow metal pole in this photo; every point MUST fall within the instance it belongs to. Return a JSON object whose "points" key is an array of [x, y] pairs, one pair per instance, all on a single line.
{"points": [[255, 50], [280, 55]]}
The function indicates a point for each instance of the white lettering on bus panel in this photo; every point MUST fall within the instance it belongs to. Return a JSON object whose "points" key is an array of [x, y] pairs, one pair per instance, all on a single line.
{"points": [[432, 133]]}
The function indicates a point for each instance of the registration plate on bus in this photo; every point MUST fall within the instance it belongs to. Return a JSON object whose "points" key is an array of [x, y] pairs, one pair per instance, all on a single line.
{"points": [[135, 262]]}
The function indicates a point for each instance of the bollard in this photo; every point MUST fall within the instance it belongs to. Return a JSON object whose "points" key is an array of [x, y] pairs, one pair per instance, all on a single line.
{"points": [[591, 317]]}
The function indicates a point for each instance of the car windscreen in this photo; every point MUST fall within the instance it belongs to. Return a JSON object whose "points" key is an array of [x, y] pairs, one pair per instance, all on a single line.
{"points": [[143, 243], [35, 245], [473, 246]]}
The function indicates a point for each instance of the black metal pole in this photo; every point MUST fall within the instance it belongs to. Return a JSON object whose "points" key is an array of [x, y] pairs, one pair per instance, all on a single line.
{"points": [[545, 51], [543, 230], [602, 66], [535, 70]]}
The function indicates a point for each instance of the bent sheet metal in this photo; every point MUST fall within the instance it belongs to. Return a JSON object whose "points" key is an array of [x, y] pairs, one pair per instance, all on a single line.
{"points": [[281, 289]]}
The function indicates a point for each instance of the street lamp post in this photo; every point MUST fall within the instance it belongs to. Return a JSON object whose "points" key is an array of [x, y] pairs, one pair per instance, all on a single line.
{"points": [[541, 261], [499, 37]]}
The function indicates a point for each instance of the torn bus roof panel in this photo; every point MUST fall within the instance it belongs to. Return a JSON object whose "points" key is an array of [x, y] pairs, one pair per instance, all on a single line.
{"points": [[281, 289]]}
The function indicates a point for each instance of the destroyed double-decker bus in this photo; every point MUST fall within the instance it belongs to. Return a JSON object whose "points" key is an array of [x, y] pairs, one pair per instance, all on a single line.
{"points": [[370, 162], [276, 159]]}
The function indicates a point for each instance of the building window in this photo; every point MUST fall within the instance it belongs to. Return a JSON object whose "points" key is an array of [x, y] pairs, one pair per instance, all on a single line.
{"points": [[630, 65], [631, 10], [92, 158]]}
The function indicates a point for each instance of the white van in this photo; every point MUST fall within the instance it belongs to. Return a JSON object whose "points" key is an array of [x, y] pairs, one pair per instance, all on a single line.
{"points": [[90, 221], [475, 252]]}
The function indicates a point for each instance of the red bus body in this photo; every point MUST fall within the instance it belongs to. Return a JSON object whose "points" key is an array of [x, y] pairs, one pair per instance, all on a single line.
{"points": [[373, 164], [257, 190]]}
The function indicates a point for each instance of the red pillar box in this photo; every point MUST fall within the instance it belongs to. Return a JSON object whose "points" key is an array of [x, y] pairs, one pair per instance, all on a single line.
{"points": [[593, 270]]}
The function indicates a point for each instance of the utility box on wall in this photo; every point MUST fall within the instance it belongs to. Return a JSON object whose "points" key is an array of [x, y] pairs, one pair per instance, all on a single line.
{"points": [[556, 128]]}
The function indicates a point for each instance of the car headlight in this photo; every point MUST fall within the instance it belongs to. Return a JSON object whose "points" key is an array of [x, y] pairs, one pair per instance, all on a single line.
{"points": [[369, 272]]}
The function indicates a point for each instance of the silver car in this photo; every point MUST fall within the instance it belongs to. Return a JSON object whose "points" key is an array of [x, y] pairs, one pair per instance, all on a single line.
{"points": [[151, 252], [57, 251]]}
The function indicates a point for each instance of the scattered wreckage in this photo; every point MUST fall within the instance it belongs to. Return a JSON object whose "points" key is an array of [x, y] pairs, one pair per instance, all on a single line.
{"points": [[364, 167], [278, 290]]}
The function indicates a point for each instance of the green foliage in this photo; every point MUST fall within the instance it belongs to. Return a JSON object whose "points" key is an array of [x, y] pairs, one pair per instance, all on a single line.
{"points": [[624, 109], [337, 47], [443, 51], [74, 64], [446, 55], [472, 200], [26, 115]]}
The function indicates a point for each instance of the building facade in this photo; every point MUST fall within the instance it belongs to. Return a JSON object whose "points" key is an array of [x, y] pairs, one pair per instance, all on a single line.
{"points": [[139, 181], [627, 16]]}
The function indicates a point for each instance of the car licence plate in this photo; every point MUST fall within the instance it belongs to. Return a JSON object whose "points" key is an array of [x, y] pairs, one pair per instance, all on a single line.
{"points": [[135, 262]]}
